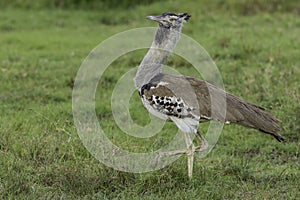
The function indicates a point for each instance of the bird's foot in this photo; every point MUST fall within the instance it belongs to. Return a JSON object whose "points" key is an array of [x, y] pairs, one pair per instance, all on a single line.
{"points": [[189, 152], [167, 154], [202, 147]]}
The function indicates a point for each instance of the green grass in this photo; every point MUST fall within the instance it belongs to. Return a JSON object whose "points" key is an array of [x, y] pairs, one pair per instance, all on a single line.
{"points": [[255, 46]]}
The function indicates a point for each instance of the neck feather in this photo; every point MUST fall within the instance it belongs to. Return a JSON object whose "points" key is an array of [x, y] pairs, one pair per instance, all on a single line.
{"points": [[164, 42]]}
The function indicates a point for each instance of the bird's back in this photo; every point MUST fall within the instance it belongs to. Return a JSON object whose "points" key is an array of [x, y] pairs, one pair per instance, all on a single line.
{"points": [[203, 101]]}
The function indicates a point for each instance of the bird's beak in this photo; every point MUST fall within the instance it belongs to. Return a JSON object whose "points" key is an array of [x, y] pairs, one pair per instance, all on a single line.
{"points": [[154, 18]]}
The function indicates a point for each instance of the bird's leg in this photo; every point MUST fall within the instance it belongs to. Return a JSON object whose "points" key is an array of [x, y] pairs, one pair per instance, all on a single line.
{"points": [[203, 143], [190, 153]]}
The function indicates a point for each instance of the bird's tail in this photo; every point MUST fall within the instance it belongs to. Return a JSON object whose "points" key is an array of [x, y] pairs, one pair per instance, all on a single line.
{"points": [[254, 116]]}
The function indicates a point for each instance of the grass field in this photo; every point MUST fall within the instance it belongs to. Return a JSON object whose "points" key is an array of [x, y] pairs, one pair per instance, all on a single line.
{"points": [[256, 48]]}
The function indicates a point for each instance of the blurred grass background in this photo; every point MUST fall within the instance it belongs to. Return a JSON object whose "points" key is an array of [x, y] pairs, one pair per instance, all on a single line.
{"points": [[254, 43], [243, 7]]}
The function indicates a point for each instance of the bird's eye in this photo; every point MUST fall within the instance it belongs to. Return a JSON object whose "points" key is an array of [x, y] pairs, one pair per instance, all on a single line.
{"points": [[171, 19]]}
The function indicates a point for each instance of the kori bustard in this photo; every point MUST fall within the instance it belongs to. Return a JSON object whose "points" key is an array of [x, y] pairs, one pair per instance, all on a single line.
{"points": [[172, 97]]}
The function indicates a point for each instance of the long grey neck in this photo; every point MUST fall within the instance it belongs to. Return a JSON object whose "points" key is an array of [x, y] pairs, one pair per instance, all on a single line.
{"points": [[164, 42]]}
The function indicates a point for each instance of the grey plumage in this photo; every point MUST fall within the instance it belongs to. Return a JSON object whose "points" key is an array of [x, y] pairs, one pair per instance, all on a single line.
{"points": [[163, 44]]}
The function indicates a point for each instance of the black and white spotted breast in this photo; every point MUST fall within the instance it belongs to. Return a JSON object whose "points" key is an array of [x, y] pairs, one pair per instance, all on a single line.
{"points": [[163, 100]]}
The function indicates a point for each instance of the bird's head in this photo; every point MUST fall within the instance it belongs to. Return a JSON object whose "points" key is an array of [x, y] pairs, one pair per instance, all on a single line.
{"points": [[170, 20]]}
